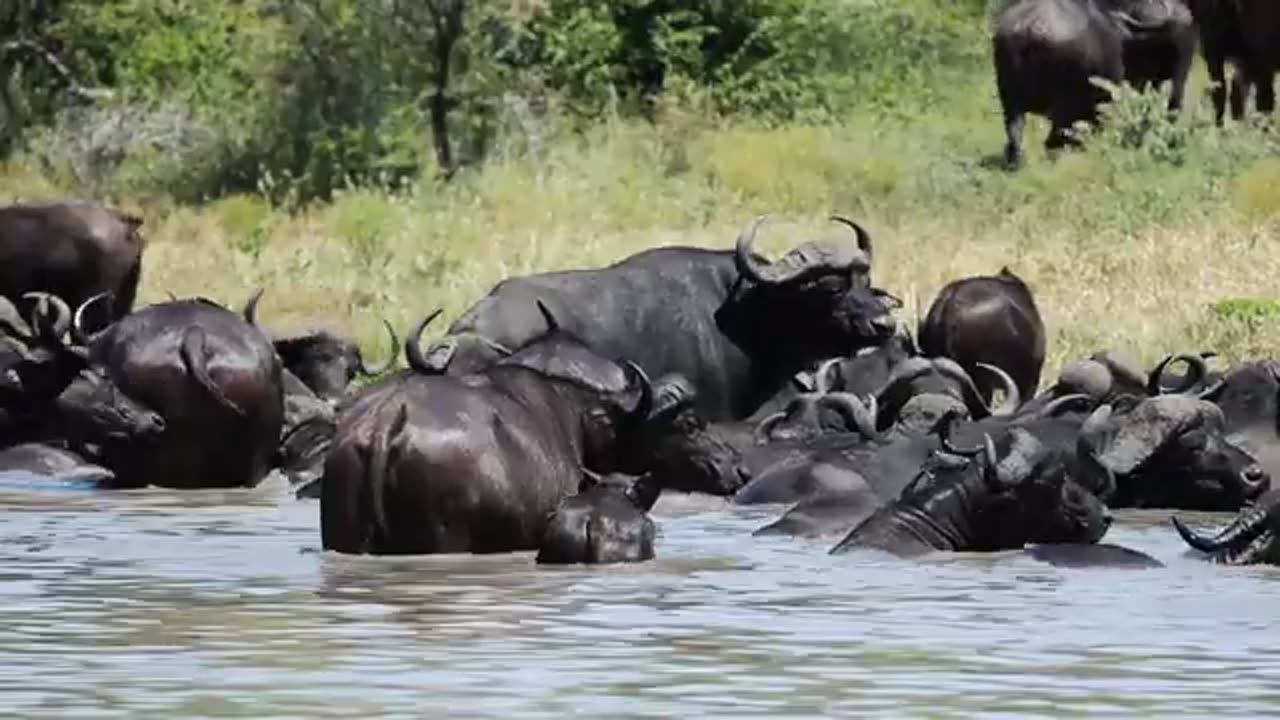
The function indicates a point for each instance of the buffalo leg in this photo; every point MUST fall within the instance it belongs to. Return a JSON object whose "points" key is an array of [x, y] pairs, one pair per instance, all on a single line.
{"points": [[1218, 89], [1239, 96], [1265, 87], [1013, 127]]}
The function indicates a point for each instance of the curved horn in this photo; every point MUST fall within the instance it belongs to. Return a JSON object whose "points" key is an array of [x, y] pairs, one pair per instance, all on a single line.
{"points": [[1012, 398], [62, 320], [10, 316], [1196, 371], [391, 356], [822, 378], [250, 311], [851, 408], [78, 332], [747, 265], [764, 430], [1241, 530], [864, 237], [978, 407], [413, 345], [550, 319], [1057, 405], [644, 405], [893, 395]]}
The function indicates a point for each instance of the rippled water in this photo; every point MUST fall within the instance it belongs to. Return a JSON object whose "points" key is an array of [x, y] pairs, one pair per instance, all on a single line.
{"points": [[168, 604]]}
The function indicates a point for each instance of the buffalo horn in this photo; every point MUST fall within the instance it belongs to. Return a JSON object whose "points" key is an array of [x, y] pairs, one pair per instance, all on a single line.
{"points": [[413, 345], [864, 237], [644, 404], [747, 265], [10, 316], [1012, 398], [764, 430], [250, 311], [78, 332], [1196, 370], [823, 377], [390, 362], [852, 409], [61, 322], [1059, 404], [1242, 529]]}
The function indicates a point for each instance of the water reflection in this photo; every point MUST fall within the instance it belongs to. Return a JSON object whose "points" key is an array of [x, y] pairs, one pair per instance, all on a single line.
{"points": [[155, 603]]}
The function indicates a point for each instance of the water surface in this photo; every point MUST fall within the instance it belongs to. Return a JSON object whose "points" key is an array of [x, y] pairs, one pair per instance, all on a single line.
{"points": [[167, 604]]}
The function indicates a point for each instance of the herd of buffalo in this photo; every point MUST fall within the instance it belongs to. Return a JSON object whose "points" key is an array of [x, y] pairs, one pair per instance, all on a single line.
{"points": [[1047, 53], [553, 413]]}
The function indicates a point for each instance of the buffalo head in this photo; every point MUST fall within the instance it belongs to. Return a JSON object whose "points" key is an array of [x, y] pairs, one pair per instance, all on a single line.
{"points": [[323, 361], [682, 449], [1038, 494], [815, 301], [941, 376], [1172, 451], [93, 409]]}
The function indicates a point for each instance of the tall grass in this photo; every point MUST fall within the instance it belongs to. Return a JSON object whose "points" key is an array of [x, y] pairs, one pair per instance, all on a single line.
{"points": [[1150, 243]]}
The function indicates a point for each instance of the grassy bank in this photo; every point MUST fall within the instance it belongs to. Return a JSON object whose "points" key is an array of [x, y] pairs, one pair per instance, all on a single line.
{"points": [[1134, 248]]}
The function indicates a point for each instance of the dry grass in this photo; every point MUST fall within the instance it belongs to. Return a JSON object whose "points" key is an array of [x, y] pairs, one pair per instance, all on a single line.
{"points": [[1122, 251]]}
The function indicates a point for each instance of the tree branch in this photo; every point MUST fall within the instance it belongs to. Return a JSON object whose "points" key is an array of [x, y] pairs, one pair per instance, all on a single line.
{"points": [[40, 52]]}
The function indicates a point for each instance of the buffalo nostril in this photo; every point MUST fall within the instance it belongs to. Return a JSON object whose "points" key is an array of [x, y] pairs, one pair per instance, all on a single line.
{"points": [[1255, 477], [743, 473], [1107, 518]]}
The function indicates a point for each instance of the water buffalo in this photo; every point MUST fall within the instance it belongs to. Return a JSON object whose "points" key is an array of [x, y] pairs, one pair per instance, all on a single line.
{"points": [[1047, 51], [214, 378], [606, 522], [55, 394], [998, 497], [477, 463], [1249, 397], [942, 376], [1172, 451], [736, 326], [325, 363], [1249, 539], [1107, 376], [1246, 34], [72, 250], [839, 487], [991, 319]]}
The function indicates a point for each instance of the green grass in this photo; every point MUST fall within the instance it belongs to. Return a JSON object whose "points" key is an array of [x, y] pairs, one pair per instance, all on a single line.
{"points": [[1147, 250]]}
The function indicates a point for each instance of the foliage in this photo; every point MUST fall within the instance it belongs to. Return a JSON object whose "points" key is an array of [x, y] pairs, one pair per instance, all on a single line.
{"points": [[304, 98]]}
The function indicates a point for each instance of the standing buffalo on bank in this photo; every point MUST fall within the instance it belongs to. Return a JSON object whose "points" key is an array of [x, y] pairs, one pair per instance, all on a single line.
{"points": [[74, 251], [734, 325], [991, 319], [1246, 34], [214, 378], [1047, 52]]}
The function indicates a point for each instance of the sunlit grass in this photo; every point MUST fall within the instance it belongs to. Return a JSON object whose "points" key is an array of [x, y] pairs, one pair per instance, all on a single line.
{"points": [[1123, 251]]}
